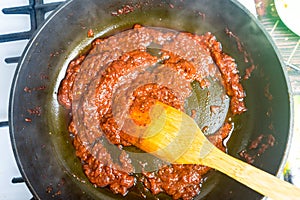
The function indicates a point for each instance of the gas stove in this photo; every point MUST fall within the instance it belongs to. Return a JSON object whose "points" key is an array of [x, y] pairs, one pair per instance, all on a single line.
{"points": [[22, 18]]}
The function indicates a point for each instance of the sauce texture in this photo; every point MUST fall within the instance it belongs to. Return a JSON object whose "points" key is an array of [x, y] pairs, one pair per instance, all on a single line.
{"points": [[121, 77]]}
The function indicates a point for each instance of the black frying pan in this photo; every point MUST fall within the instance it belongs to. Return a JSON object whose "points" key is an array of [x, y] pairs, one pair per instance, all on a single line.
{"points": [[38, 125]]}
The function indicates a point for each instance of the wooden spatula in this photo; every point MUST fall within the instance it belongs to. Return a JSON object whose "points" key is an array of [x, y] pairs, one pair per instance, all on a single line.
{"points": [[175, 137]]}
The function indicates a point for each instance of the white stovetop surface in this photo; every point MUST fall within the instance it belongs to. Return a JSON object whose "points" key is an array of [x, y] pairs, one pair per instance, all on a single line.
{"points": [[10, 24]]}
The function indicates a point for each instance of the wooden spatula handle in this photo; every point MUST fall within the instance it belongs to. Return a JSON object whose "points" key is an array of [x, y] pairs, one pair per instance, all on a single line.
{"points": [[175, 137], [258, 180]]}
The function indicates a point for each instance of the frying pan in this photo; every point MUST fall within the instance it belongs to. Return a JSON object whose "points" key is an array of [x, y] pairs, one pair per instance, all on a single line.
{"points": [[38, 125]]}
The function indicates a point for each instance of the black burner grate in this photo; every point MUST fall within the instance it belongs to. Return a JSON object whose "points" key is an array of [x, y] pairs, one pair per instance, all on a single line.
{"points": [[36, 10]]}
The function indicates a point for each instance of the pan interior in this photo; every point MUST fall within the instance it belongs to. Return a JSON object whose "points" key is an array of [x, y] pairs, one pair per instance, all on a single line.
{"points": [[200, 101], [266, 89]]}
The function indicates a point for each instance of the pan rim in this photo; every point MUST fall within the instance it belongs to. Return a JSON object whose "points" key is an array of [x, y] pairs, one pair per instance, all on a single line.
{"points": [[36, 34], [12, 96], [288, 84]]}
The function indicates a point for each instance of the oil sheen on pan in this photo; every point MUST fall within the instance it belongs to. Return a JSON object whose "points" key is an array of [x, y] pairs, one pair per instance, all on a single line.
{"points": [[124, 75]]}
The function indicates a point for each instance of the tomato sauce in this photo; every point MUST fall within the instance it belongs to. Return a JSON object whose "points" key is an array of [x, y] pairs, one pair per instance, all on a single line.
{"points": [[123, 76]]}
